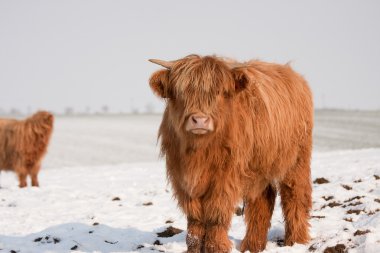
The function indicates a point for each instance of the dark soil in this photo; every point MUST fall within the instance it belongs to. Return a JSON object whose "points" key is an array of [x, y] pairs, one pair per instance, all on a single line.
{"points": [[157, 242], [361, 232], [351, 211], [109, 242], [318, 216], [239, 211], [169, 232], [312, 248], [348, 219], [321, 180], [347, 187], [353, 198], [339, 248], [332, 204], [327, 198]]}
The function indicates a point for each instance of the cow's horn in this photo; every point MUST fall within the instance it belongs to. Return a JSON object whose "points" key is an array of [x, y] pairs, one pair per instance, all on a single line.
{"points": [[165, 64]]}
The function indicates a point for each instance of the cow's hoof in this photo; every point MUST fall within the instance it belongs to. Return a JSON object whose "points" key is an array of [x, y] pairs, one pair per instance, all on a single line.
{"points": [[251, 246]]}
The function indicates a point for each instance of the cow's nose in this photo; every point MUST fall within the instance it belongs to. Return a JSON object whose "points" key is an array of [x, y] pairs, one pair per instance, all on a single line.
{"points": [[200, 121]]}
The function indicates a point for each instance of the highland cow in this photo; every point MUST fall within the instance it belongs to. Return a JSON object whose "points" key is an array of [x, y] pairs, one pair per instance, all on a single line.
{"points": [[23, 143], [236, 132]]}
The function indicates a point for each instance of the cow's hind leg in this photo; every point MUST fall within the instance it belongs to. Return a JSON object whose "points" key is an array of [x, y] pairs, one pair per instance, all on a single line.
{"points": [[34, 175], [295, 192], [258, 214], [22, 174]]}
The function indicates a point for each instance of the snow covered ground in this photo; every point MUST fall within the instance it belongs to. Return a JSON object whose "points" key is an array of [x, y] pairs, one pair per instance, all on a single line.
{"points": [[103, 189]]}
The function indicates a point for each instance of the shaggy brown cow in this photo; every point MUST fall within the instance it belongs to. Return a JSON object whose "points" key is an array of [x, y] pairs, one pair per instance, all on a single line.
{"points": [[23, 143], [236, 131]]}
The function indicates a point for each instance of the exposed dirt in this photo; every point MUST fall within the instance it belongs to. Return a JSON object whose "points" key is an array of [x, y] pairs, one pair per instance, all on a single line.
{"points": [[361, 232], [339, 248], [239, 211], [169, 232], [347, 187], [321, 180], [327, 198]]}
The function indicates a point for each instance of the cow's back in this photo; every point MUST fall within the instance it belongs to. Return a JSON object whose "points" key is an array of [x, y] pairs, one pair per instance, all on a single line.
{"points": [[280, 108], [8, 142]]}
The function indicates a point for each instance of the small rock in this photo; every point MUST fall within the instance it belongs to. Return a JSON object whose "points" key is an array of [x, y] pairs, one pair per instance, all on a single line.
{"points": [[74, 247], [116, 199], [157, 242], [239, 211], [280, 242], [377, 177], [348, 219], [312, 248], [351, 211], [38, 239], [147, 204], [334, 204], [169, 232], [106, 241], [353, 198], [321, 180], [361, 232], [339, 248], [95, 224], [347, 187], [318, 216], [327, 198]]}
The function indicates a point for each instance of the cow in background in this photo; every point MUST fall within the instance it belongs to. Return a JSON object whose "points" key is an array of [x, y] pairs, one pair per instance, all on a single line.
{"points": [[23, 143]]}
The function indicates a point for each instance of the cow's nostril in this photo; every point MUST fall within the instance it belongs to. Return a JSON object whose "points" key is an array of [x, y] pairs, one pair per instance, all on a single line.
{"points": [[194, 120]]}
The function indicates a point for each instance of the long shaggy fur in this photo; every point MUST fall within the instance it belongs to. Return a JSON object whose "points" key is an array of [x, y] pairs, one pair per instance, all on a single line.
{"points": [[261, 144], [23, 143]]}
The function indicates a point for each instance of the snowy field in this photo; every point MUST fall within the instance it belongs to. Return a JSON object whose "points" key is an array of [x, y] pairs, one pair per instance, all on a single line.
{"points": [[103, 189]]}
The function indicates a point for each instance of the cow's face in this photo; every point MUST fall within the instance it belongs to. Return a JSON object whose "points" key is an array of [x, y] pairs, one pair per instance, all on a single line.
{"points": [[199, 92]]}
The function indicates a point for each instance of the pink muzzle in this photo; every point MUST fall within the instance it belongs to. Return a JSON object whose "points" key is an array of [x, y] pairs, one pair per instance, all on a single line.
{"points": [[199, 123]]}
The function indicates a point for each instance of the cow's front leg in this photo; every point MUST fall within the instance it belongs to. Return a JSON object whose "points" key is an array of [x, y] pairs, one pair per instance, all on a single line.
{"points": [[195, 228], [218, 208], [195, 235]]}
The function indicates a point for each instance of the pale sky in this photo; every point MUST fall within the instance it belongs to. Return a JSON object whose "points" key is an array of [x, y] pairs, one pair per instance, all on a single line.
{"points": [[57, 54]]}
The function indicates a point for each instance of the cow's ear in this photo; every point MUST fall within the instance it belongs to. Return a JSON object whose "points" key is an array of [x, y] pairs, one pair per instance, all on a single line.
{"points": [[159, 83], [241, 79]]}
